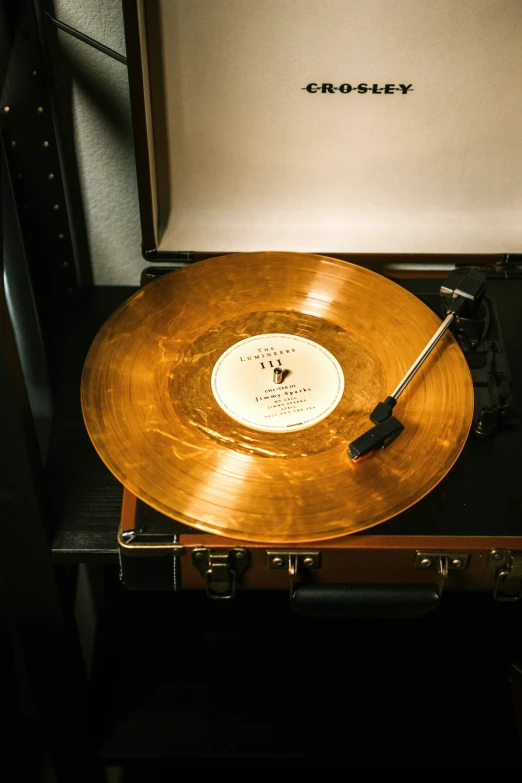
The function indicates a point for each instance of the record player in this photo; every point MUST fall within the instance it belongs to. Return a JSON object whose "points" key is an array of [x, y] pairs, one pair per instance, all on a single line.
{"points": [[285, 180]]}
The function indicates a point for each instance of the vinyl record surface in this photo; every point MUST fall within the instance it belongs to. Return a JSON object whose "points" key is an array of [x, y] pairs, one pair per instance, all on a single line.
{"points": [[180, 399]]}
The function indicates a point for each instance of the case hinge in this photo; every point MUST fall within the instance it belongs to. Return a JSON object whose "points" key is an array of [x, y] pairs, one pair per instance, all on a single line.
{"points": [[442, 562], [293, 561], [431, 561], [506, 568], [221, 570]]}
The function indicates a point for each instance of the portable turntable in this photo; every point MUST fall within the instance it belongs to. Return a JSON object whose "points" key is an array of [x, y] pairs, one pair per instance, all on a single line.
{"points": [[247, 174]]}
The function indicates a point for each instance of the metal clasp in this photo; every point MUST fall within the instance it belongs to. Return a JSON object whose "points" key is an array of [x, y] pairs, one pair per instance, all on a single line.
{"points": [[221, 570], [293, 561], [443, 562], [507, 573]]}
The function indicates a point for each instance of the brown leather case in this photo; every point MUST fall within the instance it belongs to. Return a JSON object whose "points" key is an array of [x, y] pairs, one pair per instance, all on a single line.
{"points": [[205, 561]]}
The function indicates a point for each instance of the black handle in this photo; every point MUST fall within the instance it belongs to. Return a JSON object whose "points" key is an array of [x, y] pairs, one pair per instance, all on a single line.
{"points": [[365, 600]]}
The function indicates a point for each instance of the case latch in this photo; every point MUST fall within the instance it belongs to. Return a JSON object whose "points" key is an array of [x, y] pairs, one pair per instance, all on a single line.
{"points": [[221, 570], [507, 572]]}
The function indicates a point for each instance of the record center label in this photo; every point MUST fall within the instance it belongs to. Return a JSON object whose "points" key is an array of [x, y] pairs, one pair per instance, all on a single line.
{"points": [[243, 382]]}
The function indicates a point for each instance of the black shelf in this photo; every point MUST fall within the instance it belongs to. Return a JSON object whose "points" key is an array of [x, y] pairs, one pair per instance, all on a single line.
{"points": [[480, 495], [85, 498]]}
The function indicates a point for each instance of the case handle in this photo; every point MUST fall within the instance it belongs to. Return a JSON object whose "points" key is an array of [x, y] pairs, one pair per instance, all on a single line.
{"points": [[379, 601]]}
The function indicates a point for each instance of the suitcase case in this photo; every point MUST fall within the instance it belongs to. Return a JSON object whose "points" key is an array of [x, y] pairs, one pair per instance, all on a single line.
{"points": [[383, 136]]}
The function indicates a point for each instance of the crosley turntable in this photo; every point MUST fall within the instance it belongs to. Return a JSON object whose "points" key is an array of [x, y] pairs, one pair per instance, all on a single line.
{"points": [[235, 154]]}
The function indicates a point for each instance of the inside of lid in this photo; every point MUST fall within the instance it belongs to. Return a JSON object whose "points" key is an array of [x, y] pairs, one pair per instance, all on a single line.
{"points": [[335, 125]]}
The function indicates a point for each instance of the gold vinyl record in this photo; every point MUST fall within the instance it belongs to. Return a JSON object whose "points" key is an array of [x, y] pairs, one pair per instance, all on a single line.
{"points": [[181, 400]]}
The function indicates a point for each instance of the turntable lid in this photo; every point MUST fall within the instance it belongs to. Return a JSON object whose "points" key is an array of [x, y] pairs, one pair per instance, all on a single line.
{"points": [[420, 155]]}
